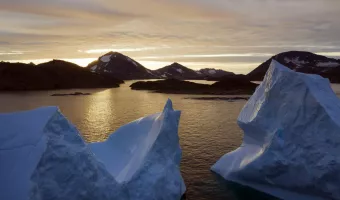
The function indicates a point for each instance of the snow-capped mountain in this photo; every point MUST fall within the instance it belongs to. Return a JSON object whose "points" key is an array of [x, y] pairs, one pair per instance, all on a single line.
{"points": [[125, 68], [178, 71], [214, 73], [120, 66], [302, 61]]}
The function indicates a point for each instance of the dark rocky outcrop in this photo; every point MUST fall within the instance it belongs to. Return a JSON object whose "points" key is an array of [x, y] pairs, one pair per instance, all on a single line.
{"points": [[174, 86], [56, 74], [238, 82], [230, 99], [71, 94], [304, 62], [168, 85]]}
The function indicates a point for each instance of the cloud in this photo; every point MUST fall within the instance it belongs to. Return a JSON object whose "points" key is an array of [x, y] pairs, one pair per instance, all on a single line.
{"points": [[192, 30], [11, 53], [332, 54]]}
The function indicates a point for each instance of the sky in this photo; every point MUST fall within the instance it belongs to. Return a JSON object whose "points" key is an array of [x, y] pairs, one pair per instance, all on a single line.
{"points": [[234, 35]]}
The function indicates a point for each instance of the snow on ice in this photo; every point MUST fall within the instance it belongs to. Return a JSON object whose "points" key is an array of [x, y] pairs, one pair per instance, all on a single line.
{"points": [[149, 156], [44, 157], [291, 138]]}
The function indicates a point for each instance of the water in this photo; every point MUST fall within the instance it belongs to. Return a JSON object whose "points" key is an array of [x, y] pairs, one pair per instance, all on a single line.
{"points": [[207, 129]]}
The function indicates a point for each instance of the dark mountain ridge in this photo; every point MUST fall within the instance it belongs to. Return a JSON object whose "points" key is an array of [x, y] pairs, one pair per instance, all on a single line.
{"points": [[55, 74], [301, 61], [103, 72], [125, 68], [178, 71], [214, 74]]}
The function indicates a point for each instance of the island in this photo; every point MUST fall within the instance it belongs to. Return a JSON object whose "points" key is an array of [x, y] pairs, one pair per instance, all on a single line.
{"points": [[71, 94], [230, 86], [230, 99]]}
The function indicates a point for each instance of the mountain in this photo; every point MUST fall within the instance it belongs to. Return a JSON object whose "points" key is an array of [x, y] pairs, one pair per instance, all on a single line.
{"points": [[304, 62], [123, 67], [120, 66], [178, 71], [56, 74], [214, 73]]}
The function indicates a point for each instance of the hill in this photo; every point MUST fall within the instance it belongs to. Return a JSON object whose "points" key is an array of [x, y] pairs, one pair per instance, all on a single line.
{"points": [[56, 74], [301, 61]]}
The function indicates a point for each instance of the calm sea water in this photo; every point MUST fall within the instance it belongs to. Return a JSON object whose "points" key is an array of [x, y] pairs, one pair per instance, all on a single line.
{"points": [[207, 130]]}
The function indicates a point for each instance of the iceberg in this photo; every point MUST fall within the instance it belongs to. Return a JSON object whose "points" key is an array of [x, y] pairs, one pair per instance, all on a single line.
{"points": [[43, 156], [149, 156], [291, 139]]}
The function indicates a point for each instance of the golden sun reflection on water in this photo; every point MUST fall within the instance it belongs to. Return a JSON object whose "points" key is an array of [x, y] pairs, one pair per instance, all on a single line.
{"points": [[99, 113]]}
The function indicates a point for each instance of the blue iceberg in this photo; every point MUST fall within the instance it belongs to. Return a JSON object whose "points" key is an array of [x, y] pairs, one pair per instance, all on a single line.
{"points": [[149, 156], [291, 139], [43, 156]]}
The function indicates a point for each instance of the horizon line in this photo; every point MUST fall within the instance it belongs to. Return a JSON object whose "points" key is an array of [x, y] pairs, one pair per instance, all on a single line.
{"points": [[84, 62]]}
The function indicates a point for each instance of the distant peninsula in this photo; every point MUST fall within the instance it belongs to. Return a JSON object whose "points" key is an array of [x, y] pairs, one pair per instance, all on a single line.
{"points": [[173, 86], [70, 94]]}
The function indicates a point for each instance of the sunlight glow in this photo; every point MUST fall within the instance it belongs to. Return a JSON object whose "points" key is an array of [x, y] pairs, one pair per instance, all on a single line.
{"points": [[335, 54], [90, 51], [11, 53], [83, 62], [236, 67], [210, 55]]}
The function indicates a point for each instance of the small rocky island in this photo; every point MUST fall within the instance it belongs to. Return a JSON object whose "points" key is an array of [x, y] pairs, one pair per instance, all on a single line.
{"points": [[71, 94], [230, 86]]}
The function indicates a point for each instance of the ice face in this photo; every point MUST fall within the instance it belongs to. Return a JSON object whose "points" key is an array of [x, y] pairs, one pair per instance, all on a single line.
{"points": [[44, 157], [22, 143], [291, 135], [149, 154], [68, 169]]}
